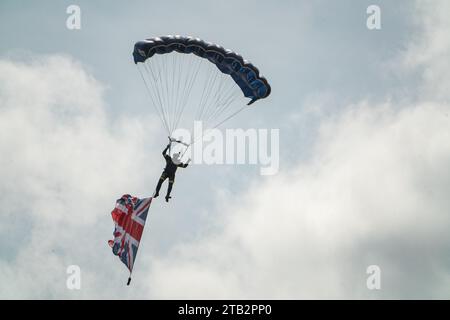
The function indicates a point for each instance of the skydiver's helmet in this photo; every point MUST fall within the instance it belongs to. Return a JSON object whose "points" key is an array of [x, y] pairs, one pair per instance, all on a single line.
{"points": [[176, 158]]}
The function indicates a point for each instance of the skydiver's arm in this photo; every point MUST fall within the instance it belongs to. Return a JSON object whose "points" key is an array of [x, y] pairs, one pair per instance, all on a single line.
{"points": [[165, 150], [184, 165]]}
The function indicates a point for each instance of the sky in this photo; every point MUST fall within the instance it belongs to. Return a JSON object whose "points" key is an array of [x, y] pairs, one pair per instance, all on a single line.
{"points": [[364, 154]]}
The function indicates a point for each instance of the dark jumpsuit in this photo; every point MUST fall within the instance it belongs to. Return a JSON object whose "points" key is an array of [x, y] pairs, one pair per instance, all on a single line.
{"points": [[169, 172]]}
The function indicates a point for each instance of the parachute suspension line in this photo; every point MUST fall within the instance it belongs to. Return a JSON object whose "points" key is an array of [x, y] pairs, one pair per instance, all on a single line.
{"points": [[223, 103], [174, 65], [166, 91], [151, 75], [215, 98], [170, 81], [207, 81], [153, 101], [156, 89], [226, 99], [183, 76], [179, 69], [210, 122], [210, 98], [186, 149], [157, 71], [170, 88], [187, 93], [229, 117], [220, 123], [221, 100], [159, 85], [154, 104], [209, 89], [172, 92], [167, 78]]}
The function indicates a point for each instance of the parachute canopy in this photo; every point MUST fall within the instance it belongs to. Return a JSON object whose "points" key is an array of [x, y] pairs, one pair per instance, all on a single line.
{"points": [[185, 72], [245, 74]]}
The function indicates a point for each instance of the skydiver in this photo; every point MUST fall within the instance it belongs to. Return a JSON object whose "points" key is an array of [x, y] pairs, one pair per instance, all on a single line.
{"points": [[172, 165]]}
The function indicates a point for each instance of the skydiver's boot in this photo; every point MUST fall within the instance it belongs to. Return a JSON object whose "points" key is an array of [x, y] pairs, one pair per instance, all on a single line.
{"points": [[169, 189]]}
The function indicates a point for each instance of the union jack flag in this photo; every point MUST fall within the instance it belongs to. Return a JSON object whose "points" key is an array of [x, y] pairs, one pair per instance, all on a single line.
{"points": [[129, 217]]}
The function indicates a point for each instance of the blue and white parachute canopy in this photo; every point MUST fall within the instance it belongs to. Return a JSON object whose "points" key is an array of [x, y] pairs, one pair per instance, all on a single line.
{"points": [[174, 66]]}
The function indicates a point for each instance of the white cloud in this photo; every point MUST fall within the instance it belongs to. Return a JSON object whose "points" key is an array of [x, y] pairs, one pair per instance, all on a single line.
{"points": [[429, 50], [375, 193], [63, 163]]}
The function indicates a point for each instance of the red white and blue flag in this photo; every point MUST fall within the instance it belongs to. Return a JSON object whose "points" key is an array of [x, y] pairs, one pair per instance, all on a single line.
{"points": [[129, 217]]}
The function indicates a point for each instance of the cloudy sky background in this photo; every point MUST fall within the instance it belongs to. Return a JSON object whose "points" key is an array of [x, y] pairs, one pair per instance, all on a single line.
{"points": [[364, 144]]}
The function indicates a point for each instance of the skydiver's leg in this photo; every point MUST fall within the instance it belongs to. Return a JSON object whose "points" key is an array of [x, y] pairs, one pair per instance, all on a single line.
{"points": [[169, 188], [160, 182]]}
